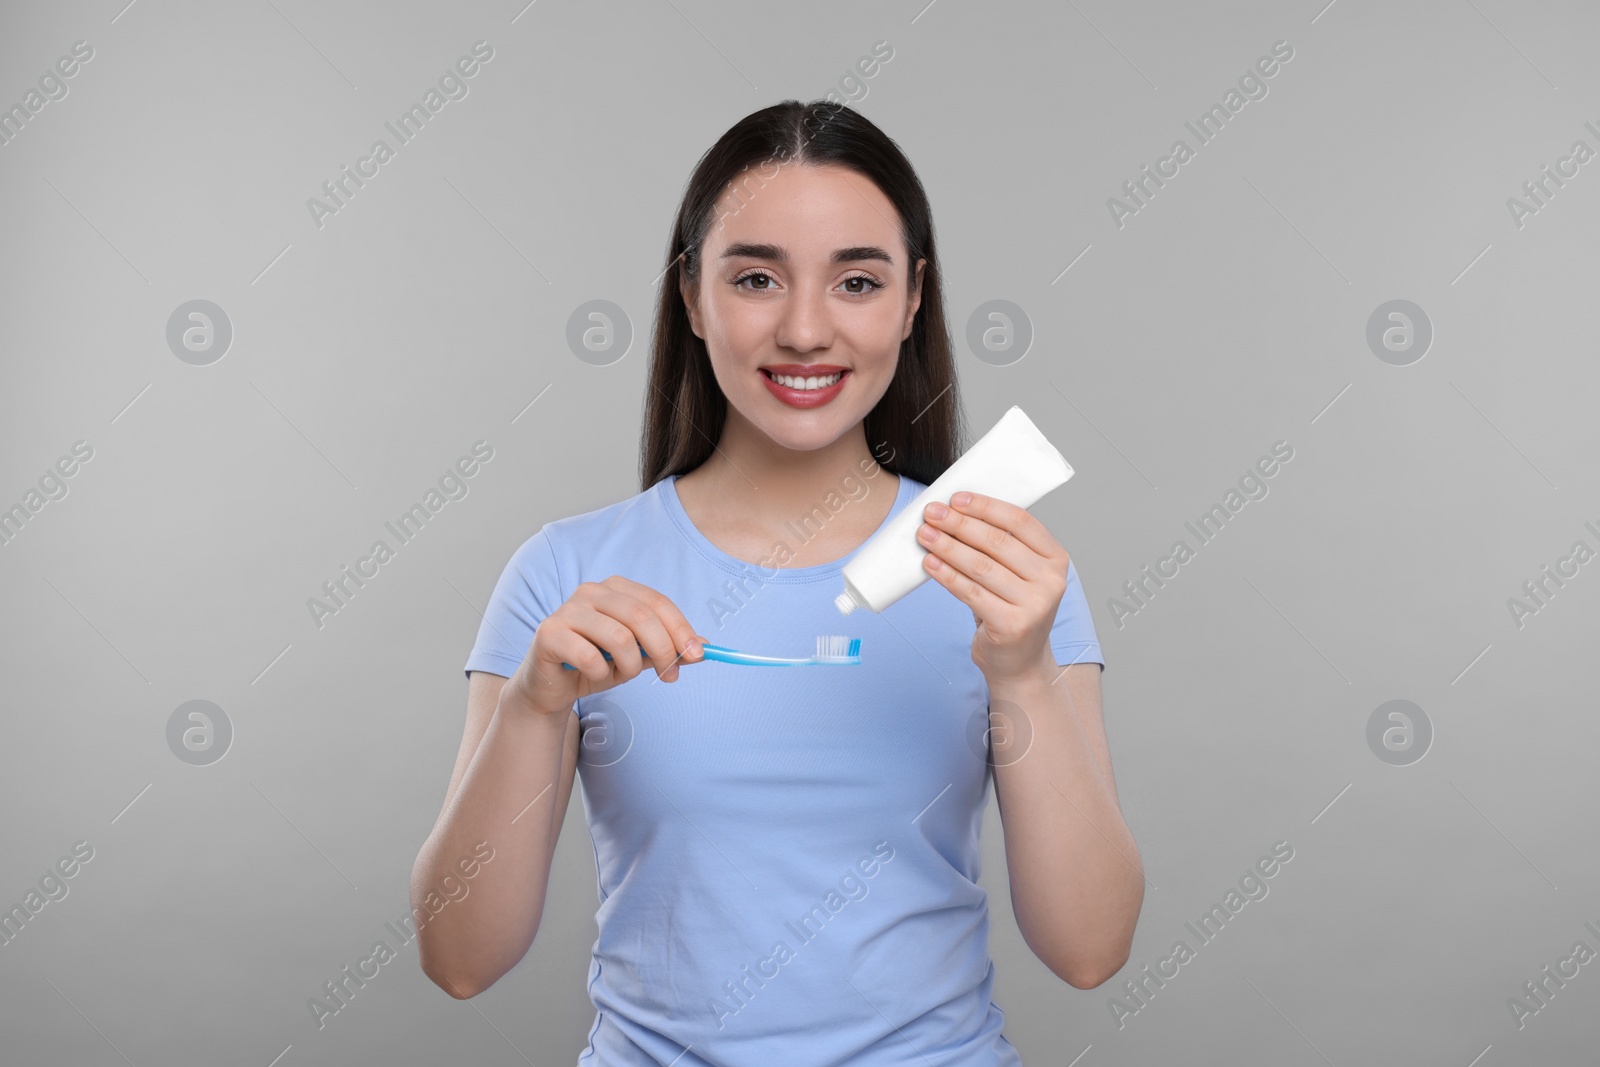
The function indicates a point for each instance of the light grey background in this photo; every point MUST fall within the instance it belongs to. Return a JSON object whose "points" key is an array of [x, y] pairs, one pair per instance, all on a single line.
{"points": [[429, 313]]}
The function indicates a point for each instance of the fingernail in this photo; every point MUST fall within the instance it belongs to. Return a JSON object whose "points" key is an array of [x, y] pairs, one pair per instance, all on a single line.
{"points": [[961, 500], [938, 511]]}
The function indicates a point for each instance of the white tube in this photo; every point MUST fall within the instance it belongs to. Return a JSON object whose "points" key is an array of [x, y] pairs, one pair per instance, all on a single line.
{"points": [[1012, 462]]}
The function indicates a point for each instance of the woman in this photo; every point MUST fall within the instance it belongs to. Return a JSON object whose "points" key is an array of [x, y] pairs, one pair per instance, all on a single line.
{"points": [[788, 858]]}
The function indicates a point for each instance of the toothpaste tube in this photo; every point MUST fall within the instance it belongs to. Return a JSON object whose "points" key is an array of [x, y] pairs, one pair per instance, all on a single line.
{"points": [[1012, 462]]}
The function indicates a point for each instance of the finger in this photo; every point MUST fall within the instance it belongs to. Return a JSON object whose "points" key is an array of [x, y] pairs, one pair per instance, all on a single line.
{"points": [[990, 541], [650, 634], [683, 642], [640, 613], [598, 622], [667, 636], [974, 563], [963, 587], [1019, 522], [993, 540], [567, 645]]}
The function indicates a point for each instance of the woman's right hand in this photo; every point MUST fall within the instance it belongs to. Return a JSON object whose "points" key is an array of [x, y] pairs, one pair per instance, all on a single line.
{"points": [[618, 615]]}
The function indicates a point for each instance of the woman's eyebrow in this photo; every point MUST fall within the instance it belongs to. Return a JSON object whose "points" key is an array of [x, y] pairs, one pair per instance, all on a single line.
{"points": [[780, 254]]}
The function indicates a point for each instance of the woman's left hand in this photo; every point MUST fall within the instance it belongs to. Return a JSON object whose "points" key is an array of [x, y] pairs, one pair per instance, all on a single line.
{"points": [[1004, 564]]}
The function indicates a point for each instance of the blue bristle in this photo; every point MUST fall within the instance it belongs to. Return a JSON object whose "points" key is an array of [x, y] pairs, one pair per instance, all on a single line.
{"points": [[838, 647]]}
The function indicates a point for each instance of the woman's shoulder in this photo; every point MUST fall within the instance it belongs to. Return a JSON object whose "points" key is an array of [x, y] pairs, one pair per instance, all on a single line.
{"points": [[594, 526], [557, 555]]}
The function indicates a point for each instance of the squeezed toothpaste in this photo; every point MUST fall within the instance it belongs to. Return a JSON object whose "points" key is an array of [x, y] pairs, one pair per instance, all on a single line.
{"points": [[1013, 462]]}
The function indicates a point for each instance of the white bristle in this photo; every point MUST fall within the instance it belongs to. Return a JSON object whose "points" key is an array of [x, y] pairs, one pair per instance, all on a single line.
{"points": [[833, 646]]}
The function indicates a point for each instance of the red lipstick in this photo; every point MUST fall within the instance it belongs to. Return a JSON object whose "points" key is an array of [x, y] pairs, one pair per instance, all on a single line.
{"points": [[804, 398]]}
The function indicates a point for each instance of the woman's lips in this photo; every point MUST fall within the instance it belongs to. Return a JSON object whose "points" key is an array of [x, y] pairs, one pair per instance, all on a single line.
{"points": [[805, 398]]}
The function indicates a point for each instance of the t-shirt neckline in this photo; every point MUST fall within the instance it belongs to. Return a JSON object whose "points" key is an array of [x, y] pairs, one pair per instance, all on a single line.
{"points": [[680, 518]]}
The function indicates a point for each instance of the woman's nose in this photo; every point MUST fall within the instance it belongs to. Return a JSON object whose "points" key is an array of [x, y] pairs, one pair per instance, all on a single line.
{"points": [[806, 321]]}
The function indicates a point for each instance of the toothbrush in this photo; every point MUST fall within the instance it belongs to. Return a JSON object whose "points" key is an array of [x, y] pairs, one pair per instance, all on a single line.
{"points": [[831, 651]]}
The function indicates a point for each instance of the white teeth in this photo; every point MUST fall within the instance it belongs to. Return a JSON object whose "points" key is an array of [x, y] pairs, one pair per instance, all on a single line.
{"points": [[807, 383]]}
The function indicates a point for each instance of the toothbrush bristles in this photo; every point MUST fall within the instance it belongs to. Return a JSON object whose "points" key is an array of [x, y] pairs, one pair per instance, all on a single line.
{"points": [[838, 647]]}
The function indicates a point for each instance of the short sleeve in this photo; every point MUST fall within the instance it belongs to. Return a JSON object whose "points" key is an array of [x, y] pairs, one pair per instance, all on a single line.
{"points": [[529, 589], [1072, 636]]}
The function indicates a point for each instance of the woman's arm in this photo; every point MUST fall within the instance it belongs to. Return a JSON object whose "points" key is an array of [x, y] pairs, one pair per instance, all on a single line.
{"points": [[509, 790], [1077, 881]]}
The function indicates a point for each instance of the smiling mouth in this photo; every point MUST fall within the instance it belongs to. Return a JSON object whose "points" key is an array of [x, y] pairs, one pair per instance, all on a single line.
{"points": [[806, 383]]}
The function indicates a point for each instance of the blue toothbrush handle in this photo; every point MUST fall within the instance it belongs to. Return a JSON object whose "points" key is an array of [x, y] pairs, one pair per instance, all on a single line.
{"points": [[733, 655]]}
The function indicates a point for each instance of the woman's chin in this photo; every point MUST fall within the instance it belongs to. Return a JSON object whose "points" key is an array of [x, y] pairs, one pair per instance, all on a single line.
{"points": [[801, 432]]}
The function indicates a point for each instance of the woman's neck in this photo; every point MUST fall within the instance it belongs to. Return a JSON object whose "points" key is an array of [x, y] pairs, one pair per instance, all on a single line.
{"points": [[823, 504]]}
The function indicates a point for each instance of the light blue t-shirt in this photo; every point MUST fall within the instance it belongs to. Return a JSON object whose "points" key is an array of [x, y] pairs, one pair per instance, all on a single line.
{"points": [[787, 857]]}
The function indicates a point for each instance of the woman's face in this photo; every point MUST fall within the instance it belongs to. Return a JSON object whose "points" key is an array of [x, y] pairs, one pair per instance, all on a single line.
{"points": [[804, 277]]}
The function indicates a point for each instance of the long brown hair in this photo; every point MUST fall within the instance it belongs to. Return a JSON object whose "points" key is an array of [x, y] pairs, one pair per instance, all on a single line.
{"points": [[916, 428]]}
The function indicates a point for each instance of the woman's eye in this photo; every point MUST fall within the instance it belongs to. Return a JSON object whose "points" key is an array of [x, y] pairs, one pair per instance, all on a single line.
{"points": [[871, 284], [868, 284]]}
